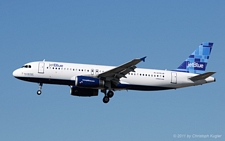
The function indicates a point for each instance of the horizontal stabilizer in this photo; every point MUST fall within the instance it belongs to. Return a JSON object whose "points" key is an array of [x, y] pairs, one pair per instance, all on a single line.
{"points": [[201, 76]]}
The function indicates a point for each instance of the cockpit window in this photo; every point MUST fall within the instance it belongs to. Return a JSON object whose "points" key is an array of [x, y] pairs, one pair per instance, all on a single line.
{"points": [[26, 66]]}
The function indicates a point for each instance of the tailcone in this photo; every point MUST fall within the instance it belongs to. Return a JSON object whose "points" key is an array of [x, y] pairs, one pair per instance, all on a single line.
{"points": [[210, 79]]}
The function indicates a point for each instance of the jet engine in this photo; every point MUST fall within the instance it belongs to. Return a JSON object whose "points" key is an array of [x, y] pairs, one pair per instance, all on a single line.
{"points": [[88, 82], [75, 91]]}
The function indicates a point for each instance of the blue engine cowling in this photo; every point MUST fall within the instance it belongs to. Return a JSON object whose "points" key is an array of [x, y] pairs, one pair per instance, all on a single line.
{"points": [[75, 91], [88, 82]]}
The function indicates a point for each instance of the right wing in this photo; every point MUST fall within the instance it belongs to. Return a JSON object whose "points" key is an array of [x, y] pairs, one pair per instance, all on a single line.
{"points": [[116, 73]]}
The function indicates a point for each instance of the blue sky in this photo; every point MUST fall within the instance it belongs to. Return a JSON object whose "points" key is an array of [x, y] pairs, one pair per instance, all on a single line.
{"points": [[110, 33]]}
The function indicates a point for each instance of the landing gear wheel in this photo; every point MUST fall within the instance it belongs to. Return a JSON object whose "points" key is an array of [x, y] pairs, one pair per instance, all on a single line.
{"points": [[105, 99], [40, 87], [110, 94], [39, 92]]}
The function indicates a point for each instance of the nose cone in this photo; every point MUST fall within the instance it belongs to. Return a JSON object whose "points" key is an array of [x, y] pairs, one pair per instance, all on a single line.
{"points": [[15, 73]]}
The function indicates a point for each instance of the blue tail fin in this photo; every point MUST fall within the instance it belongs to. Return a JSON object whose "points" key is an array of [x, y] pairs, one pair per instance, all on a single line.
{"points": [[197, 61]]}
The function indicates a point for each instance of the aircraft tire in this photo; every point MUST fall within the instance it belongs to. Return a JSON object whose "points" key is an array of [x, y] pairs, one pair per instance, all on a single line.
{"points": [[39, 92], [105, 99], [110, 94]]}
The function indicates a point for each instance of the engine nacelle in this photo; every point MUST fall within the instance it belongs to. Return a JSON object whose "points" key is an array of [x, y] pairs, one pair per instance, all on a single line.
{"points": [[83, 91], [88, 82]]}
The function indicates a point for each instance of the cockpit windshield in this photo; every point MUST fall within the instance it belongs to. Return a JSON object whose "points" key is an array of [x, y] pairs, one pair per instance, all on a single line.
{"points": [[26, 66]]}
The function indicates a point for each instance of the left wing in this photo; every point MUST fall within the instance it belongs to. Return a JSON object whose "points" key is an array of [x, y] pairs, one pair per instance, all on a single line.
{"points": [[116, 73]]}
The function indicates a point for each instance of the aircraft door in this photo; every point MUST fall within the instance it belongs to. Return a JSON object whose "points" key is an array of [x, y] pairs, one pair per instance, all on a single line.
{"points": [[41, 67], [174, 77]]}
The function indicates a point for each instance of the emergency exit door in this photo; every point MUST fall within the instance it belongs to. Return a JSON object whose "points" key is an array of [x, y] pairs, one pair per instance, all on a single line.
{"points": [[41, 67], [174, 77]]}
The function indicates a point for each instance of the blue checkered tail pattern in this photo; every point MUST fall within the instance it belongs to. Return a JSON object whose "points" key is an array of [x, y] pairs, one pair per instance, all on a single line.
{"points": [[197, 61]]}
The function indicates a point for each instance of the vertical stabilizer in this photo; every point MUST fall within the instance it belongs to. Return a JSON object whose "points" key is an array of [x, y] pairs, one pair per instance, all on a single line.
{"points": [[197, 61]]}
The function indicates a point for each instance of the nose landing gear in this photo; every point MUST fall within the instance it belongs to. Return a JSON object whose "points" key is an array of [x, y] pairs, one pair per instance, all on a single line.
{"points": [[40, 87]]}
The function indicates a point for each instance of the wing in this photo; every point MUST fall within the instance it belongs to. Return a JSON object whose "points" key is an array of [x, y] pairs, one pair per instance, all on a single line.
{"points": [[116, 73]]}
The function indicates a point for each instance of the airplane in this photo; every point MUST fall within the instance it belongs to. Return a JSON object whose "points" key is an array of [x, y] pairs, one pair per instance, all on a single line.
{"points": [[86, 80]]}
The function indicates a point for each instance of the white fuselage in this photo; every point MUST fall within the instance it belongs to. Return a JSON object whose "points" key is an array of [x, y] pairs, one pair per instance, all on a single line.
{"points": [[142, 79]]}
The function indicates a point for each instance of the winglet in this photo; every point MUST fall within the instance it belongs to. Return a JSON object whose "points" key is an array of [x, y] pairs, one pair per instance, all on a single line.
{"points": [[143, 59]]}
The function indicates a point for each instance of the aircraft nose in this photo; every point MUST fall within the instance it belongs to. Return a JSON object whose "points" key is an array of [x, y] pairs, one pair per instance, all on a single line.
{"points": [[15, 73]]}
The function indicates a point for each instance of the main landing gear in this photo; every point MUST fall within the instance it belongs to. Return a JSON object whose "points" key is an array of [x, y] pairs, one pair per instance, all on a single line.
{"points": [[107, 96], [40, 87]]}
